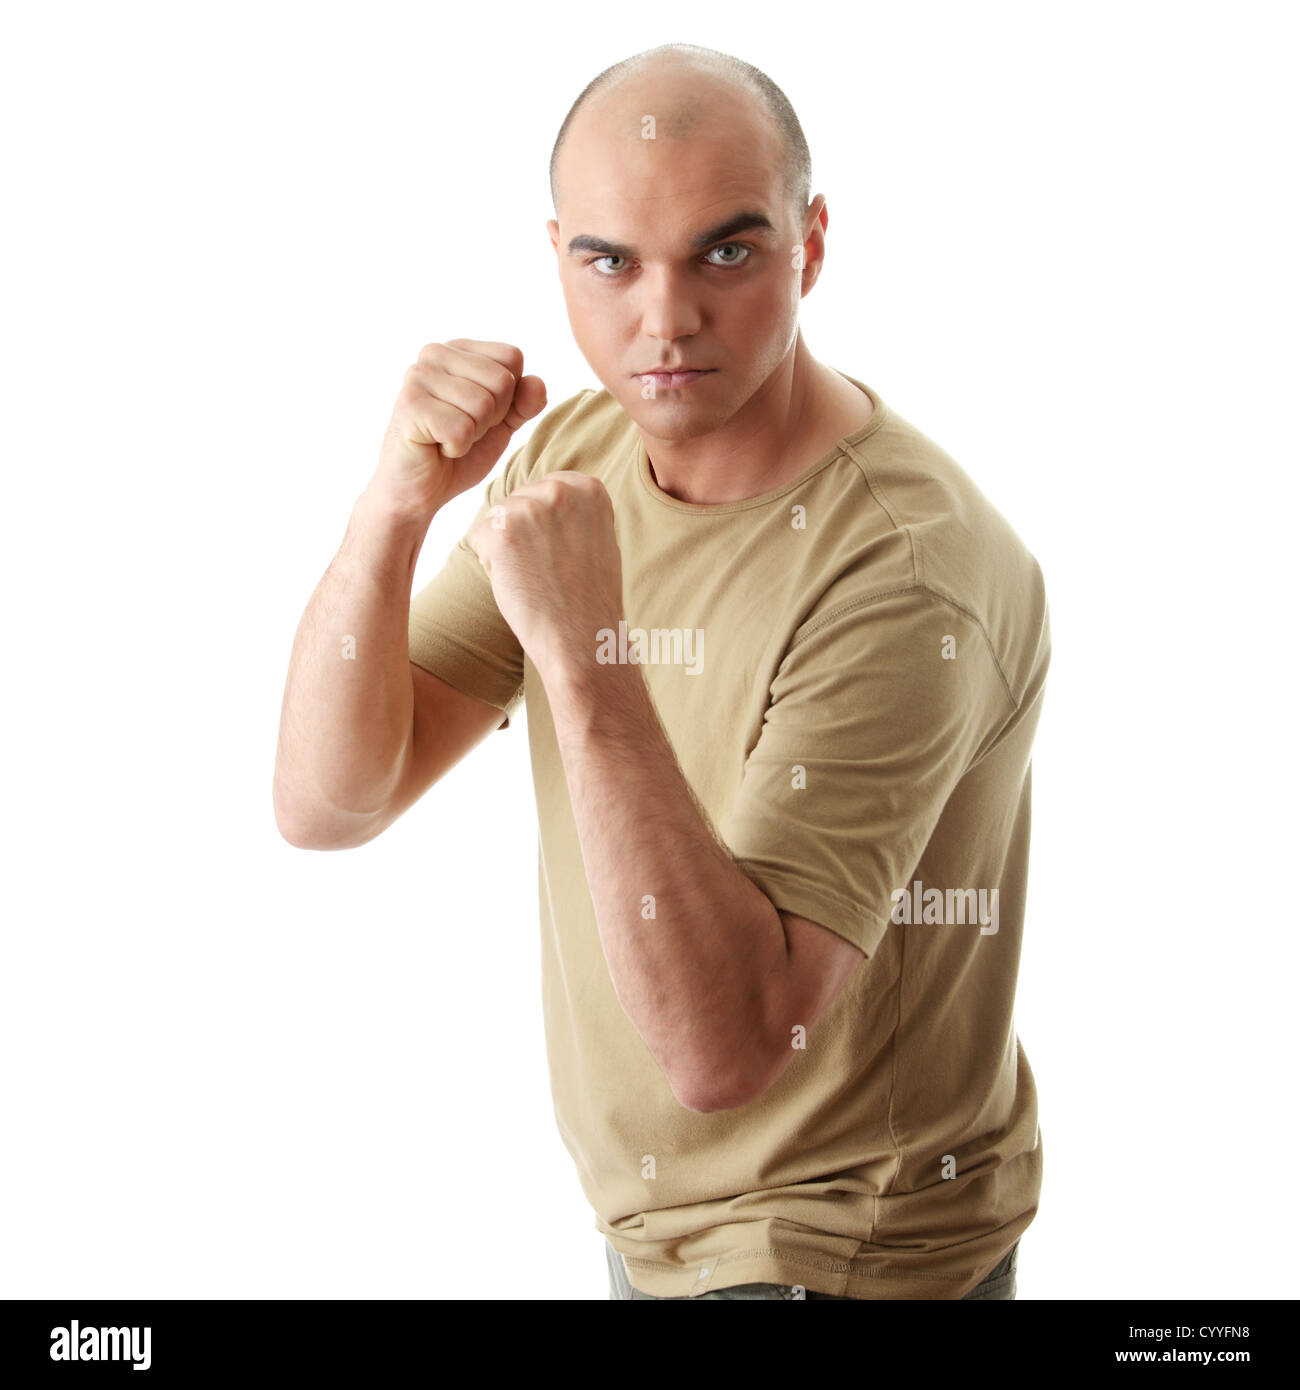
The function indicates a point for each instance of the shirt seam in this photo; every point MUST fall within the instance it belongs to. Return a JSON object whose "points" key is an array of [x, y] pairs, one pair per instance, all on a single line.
{"points": [[742, 504], [842, 449], [863, 916], [878, 496], [866, 600], [893, 1085], [789, 1257], [458, 657]]}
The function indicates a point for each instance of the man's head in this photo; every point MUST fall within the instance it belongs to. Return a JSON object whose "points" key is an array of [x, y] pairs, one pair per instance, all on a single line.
{"points": [[683, 178]]}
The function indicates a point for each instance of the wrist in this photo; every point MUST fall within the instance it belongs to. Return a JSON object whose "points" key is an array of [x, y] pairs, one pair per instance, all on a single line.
{"points": [[588, 694], [381, 536], [377, 510]]}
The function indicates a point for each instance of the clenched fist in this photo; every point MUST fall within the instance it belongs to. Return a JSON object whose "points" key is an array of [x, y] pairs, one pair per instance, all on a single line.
{"points": [[459, 404], [551, 554]]}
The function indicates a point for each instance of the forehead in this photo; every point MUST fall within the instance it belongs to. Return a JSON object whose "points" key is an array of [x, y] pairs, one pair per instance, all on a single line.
{"points": [[630, 172]]}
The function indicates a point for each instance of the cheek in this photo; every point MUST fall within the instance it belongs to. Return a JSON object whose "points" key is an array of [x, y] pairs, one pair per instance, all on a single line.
{"points": [[764, 309], [593, 316]]}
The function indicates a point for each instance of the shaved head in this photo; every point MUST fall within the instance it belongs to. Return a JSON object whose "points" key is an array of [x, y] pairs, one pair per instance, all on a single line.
{"points": [[685, 238], [686, 90]]}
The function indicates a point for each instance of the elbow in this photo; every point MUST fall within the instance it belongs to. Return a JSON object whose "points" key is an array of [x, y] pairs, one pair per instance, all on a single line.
{"points": [[707, 1088], [708, 1101], [304, 835], [295, 828], [304, 830], [298, 835], [298, 832], [739, 1064]]}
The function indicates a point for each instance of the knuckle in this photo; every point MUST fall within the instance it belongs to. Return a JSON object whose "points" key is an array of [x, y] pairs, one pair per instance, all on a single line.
{"points": [[485, 401], [505, 382], [459, 431]]}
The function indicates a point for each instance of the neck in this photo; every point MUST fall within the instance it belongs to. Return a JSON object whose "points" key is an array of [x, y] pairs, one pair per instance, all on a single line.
{"points": [[772, 438]]}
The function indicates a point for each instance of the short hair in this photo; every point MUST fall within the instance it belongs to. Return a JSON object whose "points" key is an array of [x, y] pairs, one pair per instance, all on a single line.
{"points": [[798, 160]]}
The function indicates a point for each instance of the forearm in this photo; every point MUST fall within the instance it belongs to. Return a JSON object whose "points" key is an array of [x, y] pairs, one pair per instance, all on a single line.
{"points": [[346, 718], [697, 953]]}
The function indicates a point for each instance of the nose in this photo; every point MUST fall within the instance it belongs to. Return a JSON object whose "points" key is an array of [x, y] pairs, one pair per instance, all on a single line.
{"points": [[669, 309]]}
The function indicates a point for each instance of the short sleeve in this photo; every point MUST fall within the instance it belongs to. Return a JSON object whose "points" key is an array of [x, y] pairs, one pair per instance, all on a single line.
{"points": [[455, 630], [876, 712]]}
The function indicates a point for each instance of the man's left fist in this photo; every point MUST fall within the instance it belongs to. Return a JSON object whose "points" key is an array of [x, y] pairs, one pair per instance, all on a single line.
{"points": [[551, 553]]}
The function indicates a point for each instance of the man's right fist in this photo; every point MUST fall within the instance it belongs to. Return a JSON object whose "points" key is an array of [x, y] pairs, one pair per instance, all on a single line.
{"points": [[459, 404]]}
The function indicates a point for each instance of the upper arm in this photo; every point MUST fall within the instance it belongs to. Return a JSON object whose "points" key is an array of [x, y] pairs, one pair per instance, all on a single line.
{"points": [[870, 727], [445, 724], [819, 963]]}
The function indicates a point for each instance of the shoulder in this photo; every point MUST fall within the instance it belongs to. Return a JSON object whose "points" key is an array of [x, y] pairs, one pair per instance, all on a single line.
{"points": [[578, 432], [935, 532]]}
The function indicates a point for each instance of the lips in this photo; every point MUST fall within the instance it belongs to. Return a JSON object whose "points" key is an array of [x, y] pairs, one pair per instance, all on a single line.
{"points": [[673, 376]]}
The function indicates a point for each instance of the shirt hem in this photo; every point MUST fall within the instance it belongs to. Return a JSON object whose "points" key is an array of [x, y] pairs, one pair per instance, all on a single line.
{"points": [[771, 1265], [830, 910]]}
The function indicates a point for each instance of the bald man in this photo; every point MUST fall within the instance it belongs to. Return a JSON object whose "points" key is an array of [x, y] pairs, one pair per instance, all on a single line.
{"points": [[782, 664]]}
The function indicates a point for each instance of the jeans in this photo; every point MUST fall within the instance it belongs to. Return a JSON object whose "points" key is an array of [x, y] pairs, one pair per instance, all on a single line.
{"points": [[999, 1283]]}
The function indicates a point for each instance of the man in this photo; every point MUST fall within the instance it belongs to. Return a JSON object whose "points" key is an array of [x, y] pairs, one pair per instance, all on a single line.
{"points": [[782, 664]]}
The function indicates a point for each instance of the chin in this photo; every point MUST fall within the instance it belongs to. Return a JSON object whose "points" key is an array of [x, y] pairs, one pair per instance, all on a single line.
{"points": [[676, 423]]}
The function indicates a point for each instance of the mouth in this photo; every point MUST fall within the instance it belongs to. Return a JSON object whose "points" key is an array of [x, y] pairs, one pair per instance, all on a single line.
{"points": [[669, 380]]}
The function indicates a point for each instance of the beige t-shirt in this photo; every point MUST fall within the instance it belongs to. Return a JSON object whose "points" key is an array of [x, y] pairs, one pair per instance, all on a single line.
{"points": [[850, 670]]}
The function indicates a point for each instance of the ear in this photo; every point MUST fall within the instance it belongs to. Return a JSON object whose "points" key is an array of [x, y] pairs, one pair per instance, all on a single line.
{"points": [[813, 247]]}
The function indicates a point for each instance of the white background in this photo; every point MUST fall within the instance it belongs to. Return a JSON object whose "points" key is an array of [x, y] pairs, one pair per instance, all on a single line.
{"points": [[1062, 242]]}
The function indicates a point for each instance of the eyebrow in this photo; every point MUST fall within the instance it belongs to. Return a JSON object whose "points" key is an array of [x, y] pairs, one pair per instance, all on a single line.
{"points": [[737, 223]]}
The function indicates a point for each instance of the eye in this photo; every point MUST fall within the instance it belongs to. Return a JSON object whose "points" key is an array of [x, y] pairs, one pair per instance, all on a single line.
{"points": [[732, 246], [743, 253]]}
